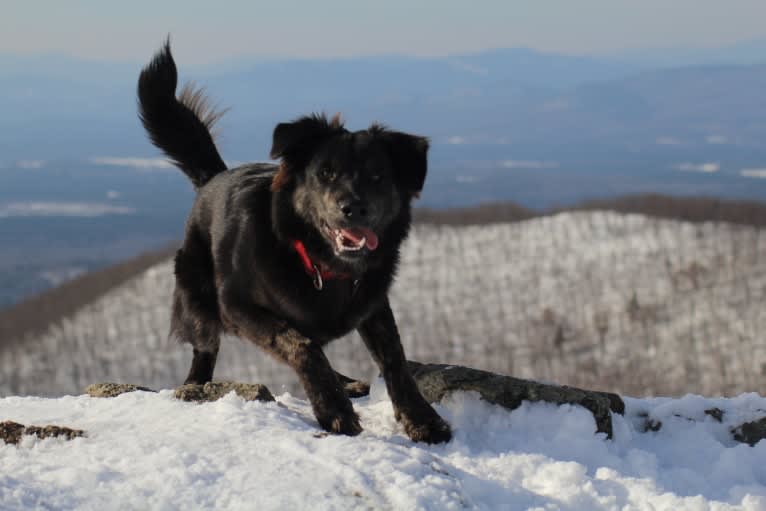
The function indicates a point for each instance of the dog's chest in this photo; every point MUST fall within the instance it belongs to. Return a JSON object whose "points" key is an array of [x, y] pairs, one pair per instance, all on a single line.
{"points": [[325, 313]]}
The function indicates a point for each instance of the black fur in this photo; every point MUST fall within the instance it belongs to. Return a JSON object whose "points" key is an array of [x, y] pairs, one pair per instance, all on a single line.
{"points": [[180, 128], [345, 195]]}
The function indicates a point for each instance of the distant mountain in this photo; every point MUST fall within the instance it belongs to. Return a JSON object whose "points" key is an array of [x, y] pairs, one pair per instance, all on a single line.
{"points": [[690, 108], [745, 52], [61, 218], [491, 104], [61, 107]]}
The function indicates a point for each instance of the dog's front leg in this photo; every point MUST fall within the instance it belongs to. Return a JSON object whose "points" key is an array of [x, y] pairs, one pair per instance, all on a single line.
{"points": [[325, 391], [420, 420], [329, 401]]}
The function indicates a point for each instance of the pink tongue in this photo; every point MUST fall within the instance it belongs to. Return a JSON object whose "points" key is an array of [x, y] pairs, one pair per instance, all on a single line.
{"points": [[357, 233]]}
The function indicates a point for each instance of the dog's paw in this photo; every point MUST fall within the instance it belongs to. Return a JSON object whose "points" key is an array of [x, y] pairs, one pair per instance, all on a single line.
{"points": [[426, 426], [356, 388], [342, 423]]}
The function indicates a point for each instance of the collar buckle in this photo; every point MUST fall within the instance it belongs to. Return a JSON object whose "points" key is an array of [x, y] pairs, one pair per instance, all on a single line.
{"points": [[317, 278]]}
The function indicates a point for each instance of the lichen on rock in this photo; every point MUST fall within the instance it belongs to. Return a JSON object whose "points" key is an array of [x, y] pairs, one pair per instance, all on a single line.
{"points": [[215, 390], [11, 432], [113, 389]]}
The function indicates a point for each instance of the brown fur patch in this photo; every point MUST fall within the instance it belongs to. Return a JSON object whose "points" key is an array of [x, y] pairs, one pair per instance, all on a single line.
{"points": [[281, 178], [195, 99], [336, 122]]}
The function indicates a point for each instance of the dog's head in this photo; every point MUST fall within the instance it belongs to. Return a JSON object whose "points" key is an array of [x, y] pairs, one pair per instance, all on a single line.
{"points": [[353, 189]]}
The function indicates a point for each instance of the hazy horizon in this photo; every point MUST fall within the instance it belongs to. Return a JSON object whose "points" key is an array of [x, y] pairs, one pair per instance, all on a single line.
{"points": [[340, 28]]}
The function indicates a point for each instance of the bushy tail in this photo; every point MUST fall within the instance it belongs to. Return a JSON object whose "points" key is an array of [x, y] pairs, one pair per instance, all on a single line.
{"points": [[181, 127]]}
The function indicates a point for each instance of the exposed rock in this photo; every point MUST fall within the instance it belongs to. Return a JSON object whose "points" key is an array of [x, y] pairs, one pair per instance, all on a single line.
{"points": [[11, 432], [437, 380], [214, 390], [113, 389], [53, 431], [715, 413], [750, 432], [649, 423]]}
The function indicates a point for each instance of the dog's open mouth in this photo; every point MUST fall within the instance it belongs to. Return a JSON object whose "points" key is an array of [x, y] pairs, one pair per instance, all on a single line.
{"points": [[352, 239]]}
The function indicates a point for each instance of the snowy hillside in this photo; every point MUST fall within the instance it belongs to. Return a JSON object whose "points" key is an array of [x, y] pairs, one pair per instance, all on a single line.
{"points": [[616, 302], [150, 451]]}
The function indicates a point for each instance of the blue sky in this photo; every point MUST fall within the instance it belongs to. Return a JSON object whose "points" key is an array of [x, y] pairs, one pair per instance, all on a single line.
{"points": [[206, 31]]}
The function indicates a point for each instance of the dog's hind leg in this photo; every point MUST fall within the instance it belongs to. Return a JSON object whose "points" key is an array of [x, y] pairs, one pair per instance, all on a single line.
{"points": [[204, 336], [202, 367], [352, 387], [195, 318]]}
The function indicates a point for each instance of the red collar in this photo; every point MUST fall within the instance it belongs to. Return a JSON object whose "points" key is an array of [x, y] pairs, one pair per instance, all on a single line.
{"points": [[317, 272]]}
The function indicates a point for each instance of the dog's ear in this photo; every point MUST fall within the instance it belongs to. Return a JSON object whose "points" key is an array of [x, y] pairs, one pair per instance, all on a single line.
{"points": [[409, 155], [295, 142], [292, 140]]}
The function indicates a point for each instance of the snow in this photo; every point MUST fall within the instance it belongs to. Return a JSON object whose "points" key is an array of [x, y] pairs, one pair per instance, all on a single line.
{"points": [[151, 451], [492, 297]]}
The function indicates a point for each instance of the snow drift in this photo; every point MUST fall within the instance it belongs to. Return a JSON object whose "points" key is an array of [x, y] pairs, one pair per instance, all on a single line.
{"points": [[150, 451]]}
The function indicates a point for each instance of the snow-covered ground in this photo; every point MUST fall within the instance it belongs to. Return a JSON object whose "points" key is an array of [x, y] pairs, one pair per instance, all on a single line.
{"points": [[151, 451]]}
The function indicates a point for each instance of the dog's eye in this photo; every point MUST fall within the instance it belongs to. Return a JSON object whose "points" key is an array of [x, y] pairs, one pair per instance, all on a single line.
{"points": [[327, 174]]}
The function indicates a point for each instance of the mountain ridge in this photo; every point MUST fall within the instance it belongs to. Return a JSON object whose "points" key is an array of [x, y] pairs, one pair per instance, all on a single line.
{"points": [[473, 96], [614, 302]]}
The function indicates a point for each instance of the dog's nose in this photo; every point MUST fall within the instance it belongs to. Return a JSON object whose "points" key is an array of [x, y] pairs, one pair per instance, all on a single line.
{"points": [[352, 208]]}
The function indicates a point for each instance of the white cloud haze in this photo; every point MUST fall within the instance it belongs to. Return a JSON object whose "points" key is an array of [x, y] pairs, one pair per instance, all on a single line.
{"points": [[71, 209], [529, 164], [132, 162], [757, 173], [707, 168], [667, 141], [30, 164]]}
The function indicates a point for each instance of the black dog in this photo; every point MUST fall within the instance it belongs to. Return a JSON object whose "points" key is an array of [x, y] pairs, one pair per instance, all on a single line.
{"points": [[294, 255]]}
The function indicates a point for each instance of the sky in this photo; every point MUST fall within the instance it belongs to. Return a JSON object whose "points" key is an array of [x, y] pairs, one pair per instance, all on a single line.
{"points": [[205, 32]]}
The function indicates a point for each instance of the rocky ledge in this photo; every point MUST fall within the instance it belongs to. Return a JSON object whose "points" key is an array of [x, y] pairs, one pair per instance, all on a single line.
{"points": [[11, 432], [435, 381], [210, 391]]}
